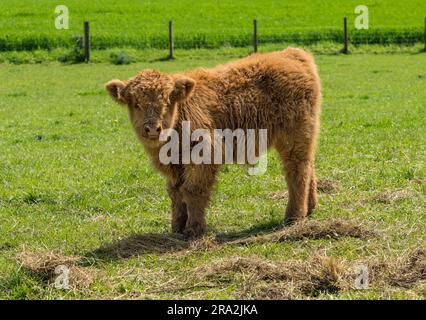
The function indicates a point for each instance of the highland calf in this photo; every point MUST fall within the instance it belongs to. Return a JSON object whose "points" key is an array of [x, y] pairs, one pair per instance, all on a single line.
{"points": [[278, 91]]}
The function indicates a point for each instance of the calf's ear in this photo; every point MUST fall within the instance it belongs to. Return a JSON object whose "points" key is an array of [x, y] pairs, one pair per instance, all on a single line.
{"points": [[183, 89], [115, 89]]}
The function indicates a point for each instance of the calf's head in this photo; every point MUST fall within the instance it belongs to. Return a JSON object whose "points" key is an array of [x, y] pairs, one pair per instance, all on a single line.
{"points": [[152, 100]]}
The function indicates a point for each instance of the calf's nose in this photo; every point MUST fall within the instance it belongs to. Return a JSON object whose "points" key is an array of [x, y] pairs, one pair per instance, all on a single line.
{"points": [[152, 129]]}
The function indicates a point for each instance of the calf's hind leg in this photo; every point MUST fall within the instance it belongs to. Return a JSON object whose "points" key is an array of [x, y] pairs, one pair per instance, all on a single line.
{"points": [[297, 154], [312, 196]]}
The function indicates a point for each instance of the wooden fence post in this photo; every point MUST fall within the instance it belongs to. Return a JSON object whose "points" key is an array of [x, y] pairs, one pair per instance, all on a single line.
{"points": [[425, 36], [255, 41], [171, 49], [86, 42], [345, 36]]}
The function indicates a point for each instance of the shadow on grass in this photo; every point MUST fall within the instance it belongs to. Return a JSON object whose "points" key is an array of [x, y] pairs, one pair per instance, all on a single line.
{"points": [[136, 245], [256, 230]]}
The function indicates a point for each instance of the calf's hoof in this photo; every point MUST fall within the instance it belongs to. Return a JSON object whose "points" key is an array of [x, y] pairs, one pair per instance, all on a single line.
{"points": [[191, 233], [310, 211], [290, 219], [179, 223], [312, 205], [178, 228]]}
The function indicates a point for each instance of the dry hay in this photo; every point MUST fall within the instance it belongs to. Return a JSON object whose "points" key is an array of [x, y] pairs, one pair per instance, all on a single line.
{"points": [[405, 272], [252, 277], [301, 279], [327, 186], [283, 280], [205, 243], [410, 269], [392, 196], [312, 278], [43, 264], [418, 181], [313, 229]]}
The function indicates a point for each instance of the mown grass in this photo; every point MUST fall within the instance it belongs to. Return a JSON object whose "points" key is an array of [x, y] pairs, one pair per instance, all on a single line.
{"points": [[74, 180], [30, 25]]}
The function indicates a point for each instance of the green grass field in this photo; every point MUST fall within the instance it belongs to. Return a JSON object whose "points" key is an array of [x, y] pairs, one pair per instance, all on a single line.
{"points": [[29, 25], [75, 181]]}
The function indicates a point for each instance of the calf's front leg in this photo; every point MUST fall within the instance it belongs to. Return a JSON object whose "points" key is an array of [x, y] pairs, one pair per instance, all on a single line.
{"points": [[179, 209], [196, 191], [196, 204]]}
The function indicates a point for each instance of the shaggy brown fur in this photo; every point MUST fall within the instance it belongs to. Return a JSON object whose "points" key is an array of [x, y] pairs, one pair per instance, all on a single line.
{"points": [[278, 91]]}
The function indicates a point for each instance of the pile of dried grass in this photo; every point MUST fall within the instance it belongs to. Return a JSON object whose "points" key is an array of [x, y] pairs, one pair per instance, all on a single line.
{"points": [[44, 264], [301, 279], [283, 280], [392, 196], [313, 229], [204, 243], [408, 270], [257, 269], [327, 186]]}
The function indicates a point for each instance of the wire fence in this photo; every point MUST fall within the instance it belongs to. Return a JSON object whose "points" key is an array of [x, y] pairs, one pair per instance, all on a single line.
{"points": [[273, 32], [208, 34], [196, 35], [187, 38]]}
